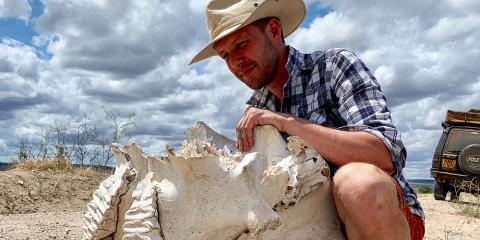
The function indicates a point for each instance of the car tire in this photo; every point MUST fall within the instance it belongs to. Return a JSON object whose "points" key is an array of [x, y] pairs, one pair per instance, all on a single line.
{"points": [[469, 159], [440, 191]]}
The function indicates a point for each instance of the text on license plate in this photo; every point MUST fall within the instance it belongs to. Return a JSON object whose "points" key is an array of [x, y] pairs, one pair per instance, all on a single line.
{"points": [[449, 163]]}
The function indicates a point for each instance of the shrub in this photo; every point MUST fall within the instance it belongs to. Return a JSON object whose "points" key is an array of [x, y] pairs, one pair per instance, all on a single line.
{"points": [[425, 189], [43, 164]]}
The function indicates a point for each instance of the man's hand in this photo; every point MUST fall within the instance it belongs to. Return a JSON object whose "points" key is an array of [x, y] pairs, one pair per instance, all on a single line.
{"points": [[253, 117]]}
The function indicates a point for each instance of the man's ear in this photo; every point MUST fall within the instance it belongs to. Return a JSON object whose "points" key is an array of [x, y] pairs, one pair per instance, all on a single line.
{"points": [[274, 29]]}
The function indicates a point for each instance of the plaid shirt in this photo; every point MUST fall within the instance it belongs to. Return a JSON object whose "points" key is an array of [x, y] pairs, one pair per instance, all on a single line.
{"points": [[335, 89]]}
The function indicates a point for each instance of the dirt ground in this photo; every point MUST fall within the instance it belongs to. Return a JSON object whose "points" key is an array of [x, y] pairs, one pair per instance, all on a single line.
{"points": [[38, 205], [449, 220], [32, 191]]}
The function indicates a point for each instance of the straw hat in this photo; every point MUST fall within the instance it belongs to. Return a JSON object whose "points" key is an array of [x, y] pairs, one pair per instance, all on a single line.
{"points": [[226, 16]]}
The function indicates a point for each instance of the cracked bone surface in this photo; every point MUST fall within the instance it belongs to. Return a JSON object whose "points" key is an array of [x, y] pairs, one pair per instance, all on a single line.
{"points": [[202, 191]]}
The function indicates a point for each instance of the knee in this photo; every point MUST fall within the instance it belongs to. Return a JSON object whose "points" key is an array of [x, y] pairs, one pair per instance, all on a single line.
{"points": [[361, 185]]}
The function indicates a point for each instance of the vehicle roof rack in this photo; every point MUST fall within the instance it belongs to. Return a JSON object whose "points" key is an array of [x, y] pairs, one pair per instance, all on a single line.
{"points": [[469, 118]]}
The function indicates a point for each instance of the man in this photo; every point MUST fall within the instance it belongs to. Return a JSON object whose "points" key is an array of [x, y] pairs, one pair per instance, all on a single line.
{"points": [[331, 100]]}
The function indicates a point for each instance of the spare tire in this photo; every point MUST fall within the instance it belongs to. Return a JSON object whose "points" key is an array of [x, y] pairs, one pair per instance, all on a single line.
{"points": [[469, 159]]}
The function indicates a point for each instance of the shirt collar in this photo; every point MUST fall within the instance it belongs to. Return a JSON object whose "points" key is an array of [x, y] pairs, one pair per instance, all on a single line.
{"points": [[295, 60]]}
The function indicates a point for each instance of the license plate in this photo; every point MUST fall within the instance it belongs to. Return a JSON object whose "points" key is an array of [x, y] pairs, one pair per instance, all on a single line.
{"points": [[449, 163]]}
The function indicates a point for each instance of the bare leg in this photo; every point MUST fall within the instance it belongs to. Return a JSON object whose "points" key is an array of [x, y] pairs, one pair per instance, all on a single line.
{"points": [[367, 203]]}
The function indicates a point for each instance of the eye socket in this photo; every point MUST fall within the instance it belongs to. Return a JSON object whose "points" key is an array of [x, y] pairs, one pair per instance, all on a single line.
{"points": [[241, 44]]}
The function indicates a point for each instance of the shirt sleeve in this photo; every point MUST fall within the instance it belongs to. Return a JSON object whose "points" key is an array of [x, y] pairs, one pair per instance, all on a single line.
{"points": [[363, 106]]}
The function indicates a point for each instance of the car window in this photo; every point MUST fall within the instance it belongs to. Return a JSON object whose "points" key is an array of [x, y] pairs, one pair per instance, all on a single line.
{"points": [[460, 138]]}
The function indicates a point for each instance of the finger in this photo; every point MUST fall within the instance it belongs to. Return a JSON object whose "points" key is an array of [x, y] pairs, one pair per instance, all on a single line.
{"points": [[243, 131], [251, 121], [239, 132], [243, 141], [248, 132]]}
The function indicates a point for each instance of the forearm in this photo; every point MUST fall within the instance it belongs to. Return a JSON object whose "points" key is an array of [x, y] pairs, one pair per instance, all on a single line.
{"points": [[340, 147]]}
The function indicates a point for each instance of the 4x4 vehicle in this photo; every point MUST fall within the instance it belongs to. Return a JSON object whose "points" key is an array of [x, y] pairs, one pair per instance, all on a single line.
{"points": [[456, 161]]}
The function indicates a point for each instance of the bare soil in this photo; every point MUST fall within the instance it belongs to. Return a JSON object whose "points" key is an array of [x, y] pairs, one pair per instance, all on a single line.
{"points": [[50, 205], [24, 191], [451, 220]]}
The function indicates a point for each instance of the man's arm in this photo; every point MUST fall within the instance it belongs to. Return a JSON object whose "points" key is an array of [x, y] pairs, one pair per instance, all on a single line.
{"points": [[339, 147], [361, 108]]}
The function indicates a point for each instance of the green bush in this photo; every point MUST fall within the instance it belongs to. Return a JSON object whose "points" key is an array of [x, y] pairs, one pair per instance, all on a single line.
{"points": [[425, 189]]}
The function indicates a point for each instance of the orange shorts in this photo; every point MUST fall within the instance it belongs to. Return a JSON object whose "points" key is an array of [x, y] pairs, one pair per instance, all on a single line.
{"points": [[417, 228]]}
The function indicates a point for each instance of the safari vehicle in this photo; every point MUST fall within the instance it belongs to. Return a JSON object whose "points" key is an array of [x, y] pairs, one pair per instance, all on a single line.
{"points": [[456, 161]]}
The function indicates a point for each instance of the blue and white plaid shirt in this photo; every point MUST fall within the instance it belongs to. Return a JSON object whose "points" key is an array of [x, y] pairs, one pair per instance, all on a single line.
{"points": [[335, 89]]}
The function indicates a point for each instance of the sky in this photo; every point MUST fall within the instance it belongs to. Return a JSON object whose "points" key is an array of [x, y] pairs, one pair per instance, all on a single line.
{"points": [[63, 59]]}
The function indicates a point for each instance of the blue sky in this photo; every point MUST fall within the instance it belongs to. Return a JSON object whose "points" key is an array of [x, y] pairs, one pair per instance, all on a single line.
{"points": [[60, 60], [24, 31], [19, 29]]}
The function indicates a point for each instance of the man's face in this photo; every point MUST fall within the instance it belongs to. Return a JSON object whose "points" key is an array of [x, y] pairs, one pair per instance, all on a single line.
{"points": [[250, 55]]}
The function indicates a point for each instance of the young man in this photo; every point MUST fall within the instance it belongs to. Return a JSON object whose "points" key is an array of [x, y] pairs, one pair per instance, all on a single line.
{"points": [[331, 100]]}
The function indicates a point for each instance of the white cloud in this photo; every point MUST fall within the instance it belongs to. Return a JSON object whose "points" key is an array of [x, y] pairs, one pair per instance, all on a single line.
{"points": [[123, 38], [453, 29], [19, 59], [198, 6], [15, 8]]}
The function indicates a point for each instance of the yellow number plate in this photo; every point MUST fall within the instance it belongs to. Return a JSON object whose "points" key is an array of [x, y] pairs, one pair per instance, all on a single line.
{"points": [[449, 163]]}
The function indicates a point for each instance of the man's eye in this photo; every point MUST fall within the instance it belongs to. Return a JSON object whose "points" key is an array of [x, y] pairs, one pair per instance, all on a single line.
{"points": [[241, 44]]}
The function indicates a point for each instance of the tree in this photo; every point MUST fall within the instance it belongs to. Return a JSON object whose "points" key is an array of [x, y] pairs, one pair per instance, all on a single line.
{"points": [[79, 142], [23, 151], [121, 129], [59, 129], [84, 137]]}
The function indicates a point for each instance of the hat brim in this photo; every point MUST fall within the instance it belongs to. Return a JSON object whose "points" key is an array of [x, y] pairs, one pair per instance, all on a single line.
{"points": [[290, 12]]}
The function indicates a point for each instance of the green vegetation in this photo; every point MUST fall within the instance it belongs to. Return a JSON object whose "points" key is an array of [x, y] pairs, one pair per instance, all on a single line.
{"points": [[424, 189]]}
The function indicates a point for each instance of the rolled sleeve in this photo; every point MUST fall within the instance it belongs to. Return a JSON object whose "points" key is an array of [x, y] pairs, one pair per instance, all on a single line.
{"points": [[363, 106]]}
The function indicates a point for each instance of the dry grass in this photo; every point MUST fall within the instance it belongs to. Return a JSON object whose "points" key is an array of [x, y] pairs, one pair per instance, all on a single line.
{"points": [[470, 206], [43, 164], [85, 172], [469, 209], [467, 205]]}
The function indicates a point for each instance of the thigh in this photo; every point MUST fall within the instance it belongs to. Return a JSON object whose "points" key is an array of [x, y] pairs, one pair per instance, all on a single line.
{"points": [[364, 184], [415, 223], [368, 203]]}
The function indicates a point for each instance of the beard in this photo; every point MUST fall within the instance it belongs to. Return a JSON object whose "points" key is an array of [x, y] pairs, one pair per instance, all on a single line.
{"points": [[265, 68]]}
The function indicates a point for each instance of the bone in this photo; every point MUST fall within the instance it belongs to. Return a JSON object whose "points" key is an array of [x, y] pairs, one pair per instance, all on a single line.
{"points": [[141, 219], [203, 191], [101, 217]]}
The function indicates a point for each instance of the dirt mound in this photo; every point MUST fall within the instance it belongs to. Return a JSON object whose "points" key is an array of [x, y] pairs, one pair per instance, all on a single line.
{"points": [[31, 191]]}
